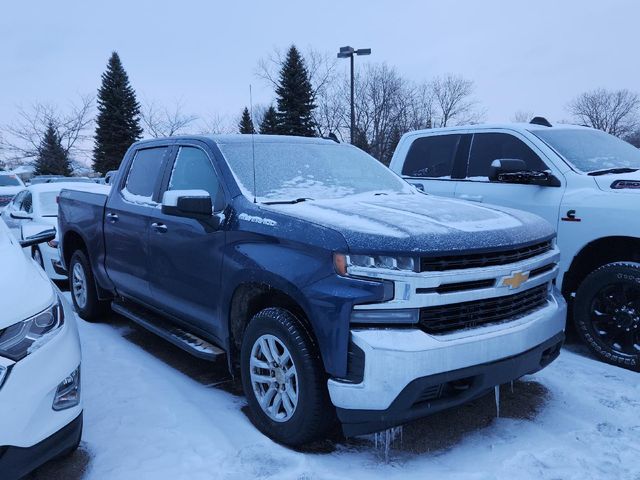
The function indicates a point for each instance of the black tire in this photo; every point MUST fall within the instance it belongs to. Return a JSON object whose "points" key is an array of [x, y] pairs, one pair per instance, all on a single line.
{"points": [[36, 254], [93, 308], [314, 416], [607, 314]]}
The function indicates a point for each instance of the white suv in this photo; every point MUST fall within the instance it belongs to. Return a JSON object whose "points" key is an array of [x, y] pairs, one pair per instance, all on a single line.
{"points": [[40, 407], [584, 181]]}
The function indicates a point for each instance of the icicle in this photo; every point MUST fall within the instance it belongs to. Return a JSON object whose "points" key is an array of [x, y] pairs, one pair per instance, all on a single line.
{"points": [[496, 390], [511, 386], [386, 439]]}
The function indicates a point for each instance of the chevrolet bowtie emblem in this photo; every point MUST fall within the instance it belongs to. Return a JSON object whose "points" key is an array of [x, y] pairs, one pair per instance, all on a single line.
{"points": [[514, 280]]}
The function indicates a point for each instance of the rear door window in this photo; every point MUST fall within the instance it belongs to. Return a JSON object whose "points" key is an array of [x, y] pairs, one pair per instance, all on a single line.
{"points": [[144, 174], [487, 147], [432, 156]]}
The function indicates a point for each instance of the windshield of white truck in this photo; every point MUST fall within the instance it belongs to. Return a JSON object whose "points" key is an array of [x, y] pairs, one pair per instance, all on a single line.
{"points": [[592, 150], [294, 172]]}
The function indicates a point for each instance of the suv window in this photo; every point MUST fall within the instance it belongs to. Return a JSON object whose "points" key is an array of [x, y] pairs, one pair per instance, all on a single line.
{"points": [[431, 156], [17, 200], [27, 203], [143, 174], [487, 147], [193, 171]]}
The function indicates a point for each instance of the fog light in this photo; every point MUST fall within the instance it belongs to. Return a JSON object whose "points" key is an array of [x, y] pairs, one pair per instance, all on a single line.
{"points": [[68, 393], [407, 316]]}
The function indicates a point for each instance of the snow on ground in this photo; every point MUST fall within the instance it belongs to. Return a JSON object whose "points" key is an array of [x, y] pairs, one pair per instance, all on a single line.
{"points": [[154, 412]]}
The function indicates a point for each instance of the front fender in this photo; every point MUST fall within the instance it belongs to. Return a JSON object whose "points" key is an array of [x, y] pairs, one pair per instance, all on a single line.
{"points": [[306, 275]]}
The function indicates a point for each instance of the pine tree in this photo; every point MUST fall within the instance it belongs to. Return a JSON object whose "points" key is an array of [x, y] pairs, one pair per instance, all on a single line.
{"points": [[269, 124], [295, 97], [394, 139], [360, 140], [52, 158], [246, 123], [118, 122]]}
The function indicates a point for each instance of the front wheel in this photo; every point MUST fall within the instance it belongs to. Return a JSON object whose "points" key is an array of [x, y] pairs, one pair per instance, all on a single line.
{"points": [[83, 288], [283, 379], [607, 313]]}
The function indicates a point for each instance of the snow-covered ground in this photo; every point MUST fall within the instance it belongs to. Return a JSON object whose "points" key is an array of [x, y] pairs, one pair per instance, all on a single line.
{"points": [[154, 412]]}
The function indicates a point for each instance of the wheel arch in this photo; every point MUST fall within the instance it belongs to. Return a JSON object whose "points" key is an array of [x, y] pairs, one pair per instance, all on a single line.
{"points": [[596, 254], [251, 297]]}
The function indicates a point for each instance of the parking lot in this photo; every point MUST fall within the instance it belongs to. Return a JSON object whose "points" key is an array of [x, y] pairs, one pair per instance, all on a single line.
{"points": [[152, 411]]}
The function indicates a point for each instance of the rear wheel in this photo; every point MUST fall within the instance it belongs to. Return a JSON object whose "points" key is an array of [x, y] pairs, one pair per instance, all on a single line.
{"points": [[283, 379], [607, 313], [83, 288]]}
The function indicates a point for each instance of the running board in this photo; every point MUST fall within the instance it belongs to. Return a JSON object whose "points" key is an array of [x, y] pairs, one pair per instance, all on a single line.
{"points": [[181, 338]]}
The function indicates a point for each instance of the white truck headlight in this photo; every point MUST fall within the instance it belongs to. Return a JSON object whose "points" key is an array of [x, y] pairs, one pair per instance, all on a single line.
{"points": [[23, 338]]}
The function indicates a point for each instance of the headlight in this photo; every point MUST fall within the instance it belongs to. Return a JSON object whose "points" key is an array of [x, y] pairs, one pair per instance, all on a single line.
{"points": [[344, 262], [23, 338]]}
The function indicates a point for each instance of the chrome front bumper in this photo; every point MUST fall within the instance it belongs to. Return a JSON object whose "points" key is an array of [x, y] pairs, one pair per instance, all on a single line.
{"points": [[395, 357]]}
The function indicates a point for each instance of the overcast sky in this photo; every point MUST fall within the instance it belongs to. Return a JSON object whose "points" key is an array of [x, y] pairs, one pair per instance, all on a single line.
{"points": [[522, 55]]}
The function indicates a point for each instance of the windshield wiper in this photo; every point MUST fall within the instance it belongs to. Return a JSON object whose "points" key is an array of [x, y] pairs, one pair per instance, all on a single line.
{"points": [[287, 202], [612, 170]]}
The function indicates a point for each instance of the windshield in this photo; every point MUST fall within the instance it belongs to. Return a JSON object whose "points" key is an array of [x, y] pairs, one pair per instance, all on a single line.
{"points": [[289, 171], [49, 204], [591, 150], [9, 181]]}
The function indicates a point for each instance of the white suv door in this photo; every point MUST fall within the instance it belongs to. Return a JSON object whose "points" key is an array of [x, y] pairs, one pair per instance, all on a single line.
{"points": [[430, 162], [494, 145]]}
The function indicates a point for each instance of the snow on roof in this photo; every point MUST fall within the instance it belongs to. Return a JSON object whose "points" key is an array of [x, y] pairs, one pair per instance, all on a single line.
{"points": [[246, 138]]}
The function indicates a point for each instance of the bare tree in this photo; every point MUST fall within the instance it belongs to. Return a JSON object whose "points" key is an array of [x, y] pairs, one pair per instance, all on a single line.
{"points": [[522, 116], [21, 140], [615, 112], [160, 121], [453, 98], [217, 124]]}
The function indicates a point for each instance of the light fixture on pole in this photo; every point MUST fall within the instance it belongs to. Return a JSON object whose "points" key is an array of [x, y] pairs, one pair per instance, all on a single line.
{"points": [[350, 52]]}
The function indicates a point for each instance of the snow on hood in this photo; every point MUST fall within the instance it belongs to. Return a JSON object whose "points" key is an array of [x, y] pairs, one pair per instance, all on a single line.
{"points": [[24, 288], [12, 190], [604, 181], [420, 223]]}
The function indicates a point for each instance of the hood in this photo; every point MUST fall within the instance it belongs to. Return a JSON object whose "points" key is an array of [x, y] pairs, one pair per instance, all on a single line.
{"points": [[25, 288], [420, 223], [604, 182], [11, 190]]}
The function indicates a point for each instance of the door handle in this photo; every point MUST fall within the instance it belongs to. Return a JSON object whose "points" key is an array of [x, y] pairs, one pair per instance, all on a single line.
{"points": [[472, 198], [113, 217], [159, 227]]}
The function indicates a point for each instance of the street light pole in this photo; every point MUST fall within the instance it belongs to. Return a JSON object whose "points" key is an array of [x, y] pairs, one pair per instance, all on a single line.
{"points": [[350, 52]]}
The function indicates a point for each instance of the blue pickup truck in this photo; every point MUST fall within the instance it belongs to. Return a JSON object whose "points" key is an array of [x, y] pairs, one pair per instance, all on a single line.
{"points": [[334, 289]]}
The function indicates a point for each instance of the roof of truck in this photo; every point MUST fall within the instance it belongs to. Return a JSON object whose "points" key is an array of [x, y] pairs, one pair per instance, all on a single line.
{"points": [[507, 126], [246, 138]]}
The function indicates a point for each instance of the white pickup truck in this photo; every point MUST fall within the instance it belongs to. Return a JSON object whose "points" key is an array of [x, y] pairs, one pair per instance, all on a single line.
{"points": [[584, 181]]}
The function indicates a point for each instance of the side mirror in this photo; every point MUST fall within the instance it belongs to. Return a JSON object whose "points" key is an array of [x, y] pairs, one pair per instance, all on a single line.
{"points": [[506, 165], [187, 203], [513, 170], [21, 215], [41, 237]]}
